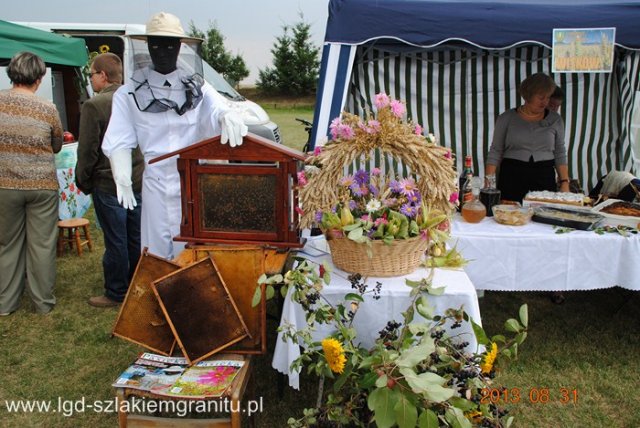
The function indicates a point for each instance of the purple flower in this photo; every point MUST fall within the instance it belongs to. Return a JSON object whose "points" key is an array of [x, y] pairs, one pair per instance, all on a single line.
{"points": [[409, 210], [382, 100], [318, 216], [390, 202], [359, 189], [353, 205], [397, 108], [415, 198], [361, 177], [395, 186], [374, 190]]}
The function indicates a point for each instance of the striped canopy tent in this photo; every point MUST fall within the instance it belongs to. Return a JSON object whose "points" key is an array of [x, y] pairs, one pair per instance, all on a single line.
{"points": [[457, 64]]}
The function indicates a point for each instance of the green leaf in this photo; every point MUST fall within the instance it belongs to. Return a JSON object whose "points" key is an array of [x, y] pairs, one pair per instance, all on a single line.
{"points": [[428, 419], [520, 337], [262, 279], [326, 277], [524, 315], [342, 378], [412, 284], [437, 291], [355, 234], [424, 308], [481, 336], [381, 382], [462, 403], [428, 384], [368, 381], [415, 354], [269, 292], [283, 291], [381, 402], [257, 297], [512, 325], [499, 338], [406, 413], [456, 418], [353, 296]]}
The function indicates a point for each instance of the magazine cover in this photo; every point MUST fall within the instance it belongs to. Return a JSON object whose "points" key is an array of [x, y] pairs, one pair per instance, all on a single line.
{"points": [[172, 376], [206, 379], [152, 372]]}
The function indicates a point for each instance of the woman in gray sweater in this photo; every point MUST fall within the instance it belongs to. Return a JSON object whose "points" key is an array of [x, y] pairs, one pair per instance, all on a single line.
{"points": [[528, 144]]}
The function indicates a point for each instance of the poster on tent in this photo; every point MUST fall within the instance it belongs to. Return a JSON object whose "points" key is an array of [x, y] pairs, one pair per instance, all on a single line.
{"points": [[583, 50]]}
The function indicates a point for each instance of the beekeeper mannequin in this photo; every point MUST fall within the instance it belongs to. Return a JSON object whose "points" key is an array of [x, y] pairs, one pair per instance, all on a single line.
{"points": [[163, 109]]}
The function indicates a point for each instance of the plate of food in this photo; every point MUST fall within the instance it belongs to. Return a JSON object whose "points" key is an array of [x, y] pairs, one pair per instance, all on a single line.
{"points": [[617, 212], [566, 217]]}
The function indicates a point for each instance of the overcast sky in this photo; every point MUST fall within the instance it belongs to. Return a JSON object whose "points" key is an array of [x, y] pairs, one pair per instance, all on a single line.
{"points": [[250, 27]]}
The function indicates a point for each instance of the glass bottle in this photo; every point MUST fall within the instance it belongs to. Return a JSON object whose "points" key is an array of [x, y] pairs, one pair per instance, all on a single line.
{"points": [[490, 195], [474, 211], [467, 173]]}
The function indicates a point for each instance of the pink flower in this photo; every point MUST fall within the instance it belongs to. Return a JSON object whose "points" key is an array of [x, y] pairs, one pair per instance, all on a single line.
{"points": [[302, 178], [418, 129], [444, 226], [334, 127], [72, 187], [408, 186], [373, 127], [453, 197], [382, 100], [345, 132], [299, 210], [365, 217], [376, 171], [397, 108], [448, 154], [317, 150], [380, 220]]}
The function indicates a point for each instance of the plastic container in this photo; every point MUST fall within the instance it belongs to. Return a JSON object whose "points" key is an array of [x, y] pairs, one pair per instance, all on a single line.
{"points": [[512, 215]]}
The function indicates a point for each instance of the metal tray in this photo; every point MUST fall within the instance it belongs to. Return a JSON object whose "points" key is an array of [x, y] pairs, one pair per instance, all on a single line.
{"points": [[575, 219]]}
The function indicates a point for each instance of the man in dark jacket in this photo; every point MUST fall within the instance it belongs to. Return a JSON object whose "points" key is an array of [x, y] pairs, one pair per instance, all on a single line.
{"points": [[121, 227]]}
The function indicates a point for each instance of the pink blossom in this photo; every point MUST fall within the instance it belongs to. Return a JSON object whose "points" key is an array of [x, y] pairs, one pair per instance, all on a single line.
{"points": [[365, 217], [418, 129], [397, 108], [382, 100], [317, 150], [334, 127], [448, 154], [302, 178], [376, 171], [444, 226], [373, 127], [345, 132], [453, 197], [380, 220]]}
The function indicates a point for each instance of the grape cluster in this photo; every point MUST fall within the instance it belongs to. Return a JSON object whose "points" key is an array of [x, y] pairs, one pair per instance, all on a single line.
{"points": [[456, 324], [310, 299], [389, 333]]}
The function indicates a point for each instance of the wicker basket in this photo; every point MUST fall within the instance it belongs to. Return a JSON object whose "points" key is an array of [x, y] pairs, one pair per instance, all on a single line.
{"points": [[401, 257]]}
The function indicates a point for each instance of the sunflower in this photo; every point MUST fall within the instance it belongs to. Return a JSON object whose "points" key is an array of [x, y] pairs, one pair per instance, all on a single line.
{"points": [[334, 354], [489, 359]]}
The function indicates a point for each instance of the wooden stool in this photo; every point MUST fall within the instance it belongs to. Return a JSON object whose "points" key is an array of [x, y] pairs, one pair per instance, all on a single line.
{"points": [[73, 226]]}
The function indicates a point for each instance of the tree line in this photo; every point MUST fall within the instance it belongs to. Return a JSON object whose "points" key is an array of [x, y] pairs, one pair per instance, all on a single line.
{"points": [[295, 67]]}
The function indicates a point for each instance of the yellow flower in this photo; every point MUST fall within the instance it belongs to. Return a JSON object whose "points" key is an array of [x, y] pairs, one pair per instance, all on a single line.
{"points": [[334, 354], [474, 415], [489, 359], [104, 48]]}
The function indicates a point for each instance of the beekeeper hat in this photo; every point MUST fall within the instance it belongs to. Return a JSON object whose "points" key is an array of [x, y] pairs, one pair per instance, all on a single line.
{"points": [[164, 24]]}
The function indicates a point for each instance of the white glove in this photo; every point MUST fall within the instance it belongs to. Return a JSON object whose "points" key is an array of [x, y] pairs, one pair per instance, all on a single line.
{"points": [[233, 128], [121, 169]]}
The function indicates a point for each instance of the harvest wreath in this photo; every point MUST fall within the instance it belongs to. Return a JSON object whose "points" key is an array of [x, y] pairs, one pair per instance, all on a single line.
{"points": [[363, 212]]}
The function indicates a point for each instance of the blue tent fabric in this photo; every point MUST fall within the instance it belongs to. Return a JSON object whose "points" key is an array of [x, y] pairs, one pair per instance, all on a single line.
{"points": [[488, 24], [457, 64]]}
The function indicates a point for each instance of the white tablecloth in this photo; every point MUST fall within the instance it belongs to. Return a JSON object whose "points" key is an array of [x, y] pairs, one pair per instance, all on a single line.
{"points": [[534, 258], [374, 314]]}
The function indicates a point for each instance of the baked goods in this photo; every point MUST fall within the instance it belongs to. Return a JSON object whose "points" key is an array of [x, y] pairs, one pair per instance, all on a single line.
{"points": [[512, 215], [622, 208], [547, 197]]}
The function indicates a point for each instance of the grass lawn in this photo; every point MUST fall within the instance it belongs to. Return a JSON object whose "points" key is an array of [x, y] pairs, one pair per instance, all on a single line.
{"points": [[589, 344]]}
